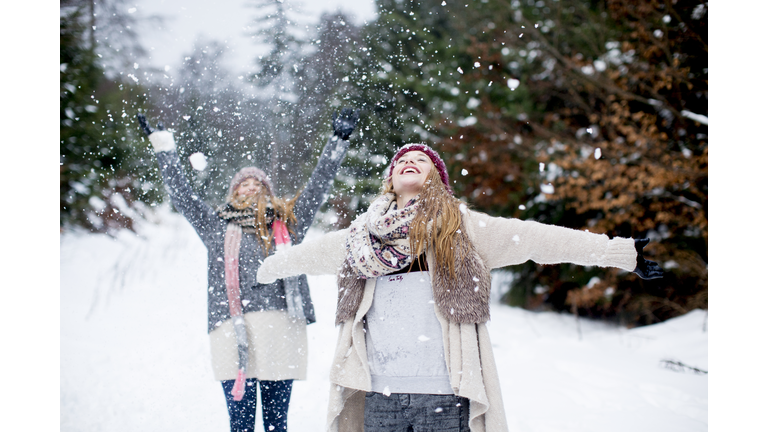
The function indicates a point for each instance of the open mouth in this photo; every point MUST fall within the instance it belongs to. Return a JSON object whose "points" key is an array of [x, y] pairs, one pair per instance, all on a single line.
{"points": [[410, 170]]}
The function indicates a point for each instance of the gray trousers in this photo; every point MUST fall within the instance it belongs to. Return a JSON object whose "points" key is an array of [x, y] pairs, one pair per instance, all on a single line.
{"points": [[402, 412]]}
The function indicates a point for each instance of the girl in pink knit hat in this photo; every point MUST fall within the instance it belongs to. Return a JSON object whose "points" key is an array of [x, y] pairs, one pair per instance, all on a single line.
{"points": [[413, 351]]}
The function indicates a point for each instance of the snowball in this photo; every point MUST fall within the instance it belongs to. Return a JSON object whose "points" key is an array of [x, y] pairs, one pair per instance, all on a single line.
{"points": [[198, 161]]}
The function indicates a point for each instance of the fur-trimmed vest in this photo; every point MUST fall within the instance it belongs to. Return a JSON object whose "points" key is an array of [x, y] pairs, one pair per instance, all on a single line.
{"points": [[462, 299]]}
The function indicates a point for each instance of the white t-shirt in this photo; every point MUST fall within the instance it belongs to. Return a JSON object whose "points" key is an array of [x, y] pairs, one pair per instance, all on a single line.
{"points": [[404, 340]]}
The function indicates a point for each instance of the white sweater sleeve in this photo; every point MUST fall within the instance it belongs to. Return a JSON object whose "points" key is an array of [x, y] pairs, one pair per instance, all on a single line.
{"points": [[502, 242], [323, 255]]}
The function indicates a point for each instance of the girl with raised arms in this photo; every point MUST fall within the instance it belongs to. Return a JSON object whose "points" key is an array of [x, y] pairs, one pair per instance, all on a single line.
{"points": [[257, 330]]}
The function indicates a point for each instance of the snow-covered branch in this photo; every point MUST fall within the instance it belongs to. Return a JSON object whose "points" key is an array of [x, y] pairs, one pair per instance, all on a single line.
{"points": [[695, 117]]}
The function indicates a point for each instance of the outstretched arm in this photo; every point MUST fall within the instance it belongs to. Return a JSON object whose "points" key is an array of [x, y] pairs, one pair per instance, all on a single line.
{"points": [[323, 255], [328, 165], [502, 242], [186, 201]]}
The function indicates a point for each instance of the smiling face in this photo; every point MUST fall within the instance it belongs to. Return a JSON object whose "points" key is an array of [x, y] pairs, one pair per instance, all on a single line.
{"points": [[410, 172], [248, 188]]}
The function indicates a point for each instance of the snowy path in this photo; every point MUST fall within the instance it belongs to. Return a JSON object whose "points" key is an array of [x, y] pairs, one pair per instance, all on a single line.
{"points": [[134, 351]]}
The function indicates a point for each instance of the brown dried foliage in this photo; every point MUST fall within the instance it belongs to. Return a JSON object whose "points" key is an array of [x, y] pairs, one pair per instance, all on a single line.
{"points": [[651, 176]]}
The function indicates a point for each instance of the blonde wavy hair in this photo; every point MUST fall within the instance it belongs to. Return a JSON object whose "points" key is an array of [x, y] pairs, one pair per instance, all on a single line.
{"points": [[282, 207], [443, 211]]}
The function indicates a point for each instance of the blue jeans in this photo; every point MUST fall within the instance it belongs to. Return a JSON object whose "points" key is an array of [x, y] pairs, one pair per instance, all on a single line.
{"points": [[275, 397], [401, 412]]}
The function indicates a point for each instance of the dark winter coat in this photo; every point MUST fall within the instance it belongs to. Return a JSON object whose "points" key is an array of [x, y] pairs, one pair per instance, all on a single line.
{"points": [[211, 228]]}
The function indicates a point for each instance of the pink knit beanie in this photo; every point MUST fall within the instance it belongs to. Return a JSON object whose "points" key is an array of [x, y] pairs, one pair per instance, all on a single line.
{"points": [[439, 164], [250, 172]]}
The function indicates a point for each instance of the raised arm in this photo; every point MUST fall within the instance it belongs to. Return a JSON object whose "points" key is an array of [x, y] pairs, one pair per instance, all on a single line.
{"points": [[323, 255], [328, 165], [201, 216]]}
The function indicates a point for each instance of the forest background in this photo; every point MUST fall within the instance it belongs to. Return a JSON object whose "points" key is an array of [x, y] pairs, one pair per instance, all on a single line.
{"points": [[586, 114]]}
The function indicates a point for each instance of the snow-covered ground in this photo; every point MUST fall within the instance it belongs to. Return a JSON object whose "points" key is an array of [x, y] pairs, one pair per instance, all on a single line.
{"points": [[134, 351]]}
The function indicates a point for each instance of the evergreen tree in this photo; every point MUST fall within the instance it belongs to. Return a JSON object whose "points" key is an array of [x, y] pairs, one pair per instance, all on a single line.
{"points": [[101, 178], [211, 115], [324, 91], [398, 77], [277, 76]]}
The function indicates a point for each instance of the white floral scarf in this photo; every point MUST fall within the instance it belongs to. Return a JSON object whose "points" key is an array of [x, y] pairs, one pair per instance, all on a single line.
{"points": [[378, 242]]}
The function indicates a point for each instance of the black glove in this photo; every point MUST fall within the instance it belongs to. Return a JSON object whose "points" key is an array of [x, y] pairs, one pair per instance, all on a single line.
{"points": [[344, 123], [160, 139], [646, 269], [146, 127]]}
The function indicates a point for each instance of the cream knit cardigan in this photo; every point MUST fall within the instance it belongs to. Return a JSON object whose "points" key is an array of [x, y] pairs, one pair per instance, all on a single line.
{"points": [[499, 242]]}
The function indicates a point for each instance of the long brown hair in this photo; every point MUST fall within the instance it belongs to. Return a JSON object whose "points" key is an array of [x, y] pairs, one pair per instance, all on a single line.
{"points": [[282, 207], [443, 211]]}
